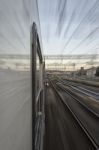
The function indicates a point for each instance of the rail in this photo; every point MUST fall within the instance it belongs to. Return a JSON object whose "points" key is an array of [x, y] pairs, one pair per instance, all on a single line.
{"points": [[86, 131]]}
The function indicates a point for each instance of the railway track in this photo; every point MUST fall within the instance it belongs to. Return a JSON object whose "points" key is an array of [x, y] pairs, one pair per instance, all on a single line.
{"points": [[91, 104], [86, 91], [84, 125]]}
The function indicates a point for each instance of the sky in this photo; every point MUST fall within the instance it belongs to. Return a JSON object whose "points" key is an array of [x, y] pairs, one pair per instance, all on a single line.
{"points": [[69, 26]]}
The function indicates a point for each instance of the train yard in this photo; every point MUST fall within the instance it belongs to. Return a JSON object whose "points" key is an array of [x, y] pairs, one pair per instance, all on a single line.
{"points": [[71, 115]]}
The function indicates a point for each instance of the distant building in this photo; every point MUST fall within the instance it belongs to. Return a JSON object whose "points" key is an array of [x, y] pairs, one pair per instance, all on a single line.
{"points": [[91, 72]]}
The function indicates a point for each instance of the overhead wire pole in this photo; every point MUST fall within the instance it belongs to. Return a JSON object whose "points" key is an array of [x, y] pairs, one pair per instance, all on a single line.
{"points": [[81, 60]]}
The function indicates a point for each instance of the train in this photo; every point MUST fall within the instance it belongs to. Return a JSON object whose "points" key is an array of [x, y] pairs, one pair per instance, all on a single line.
{"points": [[37, 70], [21, 77]]}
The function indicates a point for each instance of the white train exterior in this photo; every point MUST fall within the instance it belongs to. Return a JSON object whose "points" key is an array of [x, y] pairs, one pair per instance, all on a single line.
{"points": [[16, 64]]}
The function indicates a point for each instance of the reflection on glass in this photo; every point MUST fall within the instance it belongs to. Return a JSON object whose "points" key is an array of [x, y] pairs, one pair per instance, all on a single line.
{"points": [[37, 72]]}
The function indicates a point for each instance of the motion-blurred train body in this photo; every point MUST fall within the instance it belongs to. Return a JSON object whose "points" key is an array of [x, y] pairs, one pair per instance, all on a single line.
{"points": [[21, 76]]}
